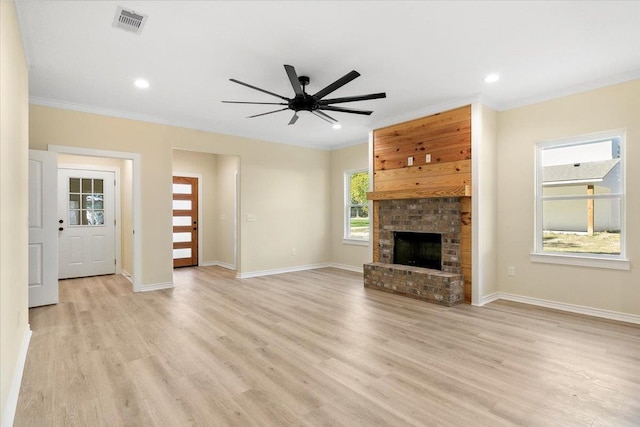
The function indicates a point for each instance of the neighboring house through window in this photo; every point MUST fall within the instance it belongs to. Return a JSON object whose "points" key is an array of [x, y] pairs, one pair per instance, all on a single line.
{"points": [[356, 225], [580, 201]]}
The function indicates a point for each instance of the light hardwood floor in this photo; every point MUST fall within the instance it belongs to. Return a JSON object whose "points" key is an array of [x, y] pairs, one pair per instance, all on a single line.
{"points": [[316, 348]]}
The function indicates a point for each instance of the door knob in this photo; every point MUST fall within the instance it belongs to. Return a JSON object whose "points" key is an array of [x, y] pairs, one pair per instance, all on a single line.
{"points": [[60, 221]]}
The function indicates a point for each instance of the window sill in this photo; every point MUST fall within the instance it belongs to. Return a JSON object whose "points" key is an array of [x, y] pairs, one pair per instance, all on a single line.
{"points": [[355, 242], [581, 260]]}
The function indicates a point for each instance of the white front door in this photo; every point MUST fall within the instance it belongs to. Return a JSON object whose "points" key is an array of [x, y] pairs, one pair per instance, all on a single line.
{"points": [[86, 209], [43, 228]]}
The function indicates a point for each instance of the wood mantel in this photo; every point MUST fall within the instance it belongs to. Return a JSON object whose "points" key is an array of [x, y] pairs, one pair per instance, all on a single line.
{"points": [[423, 193]]}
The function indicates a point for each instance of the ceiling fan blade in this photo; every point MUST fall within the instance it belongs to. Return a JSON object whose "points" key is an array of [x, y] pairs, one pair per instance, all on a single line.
{"points": [[293, 78], [264, 114], [294, 118], [337, 84], [324, 116], [353, 98], [345, 110], [258, 89], [260, 103]]}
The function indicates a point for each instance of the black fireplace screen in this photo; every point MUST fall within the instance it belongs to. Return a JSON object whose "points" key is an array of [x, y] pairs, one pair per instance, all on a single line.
{"points": [[418, 249]]}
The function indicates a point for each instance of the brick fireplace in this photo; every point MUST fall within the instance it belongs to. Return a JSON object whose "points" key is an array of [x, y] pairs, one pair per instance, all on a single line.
{"points": [[427, 215]]}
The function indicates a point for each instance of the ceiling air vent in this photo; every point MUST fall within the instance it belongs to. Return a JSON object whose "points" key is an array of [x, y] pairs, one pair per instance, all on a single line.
{"points": [[129, 20]]}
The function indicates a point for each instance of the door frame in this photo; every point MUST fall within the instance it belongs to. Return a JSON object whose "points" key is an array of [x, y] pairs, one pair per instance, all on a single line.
{"points": [[136, 274], [117, 206], [198, 176]]}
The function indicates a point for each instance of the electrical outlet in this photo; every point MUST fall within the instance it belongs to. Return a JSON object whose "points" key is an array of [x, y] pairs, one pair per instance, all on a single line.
{"points": [[251, 217], [511, 271], [410, 161], [293, 251], [427, 158]]}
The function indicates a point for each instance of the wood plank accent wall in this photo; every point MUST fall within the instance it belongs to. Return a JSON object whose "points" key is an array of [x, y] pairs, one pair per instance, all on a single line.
{"points": [[446, 137]]}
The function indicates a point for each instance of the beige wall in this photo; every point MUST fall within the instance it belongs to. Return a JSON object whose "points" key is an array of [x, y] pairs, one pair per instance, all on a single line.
{"points": [[14, 193], [204, 164], [348, 255], [227, 167], [124, 166], [484, 203], [285, 187], [599, 110]]}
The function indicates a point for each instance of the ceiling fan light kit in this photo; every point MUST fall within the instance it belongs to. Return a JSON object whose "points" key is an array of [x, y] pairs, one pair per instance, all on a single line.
{"points": [[316, 104]]}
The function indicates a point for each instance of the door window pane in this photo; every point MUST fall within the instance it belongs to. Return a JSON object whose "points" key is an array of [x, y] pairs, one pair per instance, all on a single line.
{"points": [[181, 237], [181, 221], [182, 253], [86, 201], [182, 205], [181, 188]]}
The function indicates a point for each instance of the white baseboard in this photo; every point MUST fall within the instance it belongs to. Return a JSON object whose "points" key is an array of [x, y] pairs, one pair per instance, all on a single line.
{"points": [[156, 286], [127, 275], [218, 264], [353, 268], [250, 274], [14, 390], [572, 308]]}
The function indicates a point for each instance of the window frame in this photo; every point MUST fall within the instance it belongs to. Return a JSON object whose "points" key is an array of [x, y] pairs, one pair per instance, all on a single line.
{"points": [[346, 235], [611, 261]]}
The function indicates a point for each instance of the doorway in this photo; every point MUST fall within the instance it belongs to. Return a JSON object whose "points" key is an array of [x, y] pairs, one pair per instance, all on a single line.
{"points": [[185, 221]]}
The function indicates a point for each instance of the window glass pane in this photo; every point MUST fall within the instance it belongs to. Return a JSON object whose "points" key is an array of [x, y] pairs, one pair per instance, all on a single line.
{"points": [[570, 227], [181, 237], [181, 188], [182, 205], [98, 201], [74, 185], [85, 217], [87, 200], [181, 221], [97, 186], [182, 253], [86, 185], [74, 217], [74, 201], [98, 217], [358, 208]]}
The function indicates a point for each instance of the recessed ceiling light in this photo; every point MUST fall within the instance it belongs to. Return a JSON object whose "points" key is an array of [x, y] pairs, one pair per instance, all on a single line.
{"points": [[492, 78], [141, 83], [337, 126]]}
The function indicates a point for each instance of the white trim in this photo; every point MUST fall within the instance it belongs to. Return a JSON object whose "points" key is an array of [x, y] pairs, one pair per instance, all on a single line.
{"points": [[218, 264], [346, 209], [16, 382], [477, 267], [584, 261], [488, 298], [281, 270], [117, 204], [135, 196], [198, 176], [562, 306], [371, 212], [347, 267], [126, 275], [156, 287], [356, 242]]}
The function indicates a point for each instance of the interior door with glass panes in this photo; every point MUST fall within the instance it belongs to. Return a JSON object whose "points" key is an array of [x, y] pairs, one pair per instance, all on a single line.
{"points": [[86, 217], [185, 221]]}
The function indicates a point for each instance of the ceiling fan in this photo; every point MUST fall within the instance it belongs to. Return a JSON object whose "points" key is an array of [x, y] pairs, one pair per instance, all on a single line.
{"points": [[316, 103]]}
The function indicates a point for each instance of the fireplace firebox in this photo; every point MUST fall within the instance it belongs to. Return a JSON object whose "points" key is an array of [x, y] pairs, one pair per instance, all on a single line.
{"points": [[418, 249]]}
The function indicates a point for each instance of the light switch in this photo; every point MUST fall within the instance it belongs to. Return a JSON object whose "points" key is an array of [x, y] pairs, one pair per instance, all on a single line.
{"points": [[427, 158], [410, 161]]}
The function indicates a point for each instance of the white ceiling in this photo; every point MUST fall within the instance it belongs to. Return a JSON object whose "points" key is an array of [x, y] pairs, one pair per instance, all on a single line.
{"points": [[427, 56]]}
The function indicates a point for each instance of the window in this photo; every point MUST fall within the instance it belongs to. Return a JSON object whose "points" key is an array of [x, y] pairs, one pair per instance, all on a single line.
{"points": [[356, 226], [86, 202], [580, 201]]}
